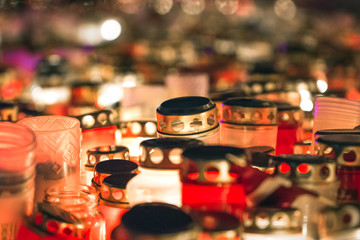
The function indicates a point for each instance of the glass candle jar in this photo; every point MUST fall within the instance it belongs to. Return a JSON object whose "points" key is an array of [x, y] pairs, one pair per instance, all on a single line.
{"points": [[57, 152], [314, 173], [265, 223], [113, 199], [155, 221], [158, 180], [217, 225], [290, 129], [97, 154], [344, 148], [340, 223], [248, 122], [189, 117], [106, 168], [209, 180], [132, 133], [17, 177], [97, 130], [67, 212]]}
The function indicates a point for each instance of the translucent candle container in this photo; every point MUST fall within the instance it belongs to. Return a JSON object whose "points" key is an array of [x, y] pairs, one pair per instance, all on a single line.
{"points": [[57, 152], [290, 129], [248, 122], [106, 168], [210, 180], [189, 117], [187, 84], [159, 180], [218, 225], [266, 223], [344, 148], [113, 199], [341, 222], [98, 129], [67, 212], [314, 173], [155, 221], [102, 153], [132, 133], [17, 175]]}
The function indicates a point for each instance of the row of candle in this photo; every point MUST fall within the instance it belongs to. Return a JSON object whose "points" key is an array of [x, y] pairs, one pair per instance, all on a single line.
{"points": [[58, 145]]}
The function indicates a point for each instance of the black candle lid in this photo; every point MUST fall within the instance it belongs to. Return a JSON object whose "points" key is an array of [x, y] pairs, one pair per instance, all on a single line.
{"points": [[170, 143], [115, 166], [109, 149], [301, 158], [210, 153], [156, 218], [249, 102], [340, 139], [185, 106], [285, 106], [118, 180], [6, 105], [261, 149], [337, 131]]}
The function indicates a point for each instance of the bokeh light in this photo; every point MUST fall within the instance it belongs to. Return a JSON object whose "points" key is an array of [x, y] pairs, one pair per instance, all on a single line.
{"points": [[285, 9], [193, 7], [110, 29]]}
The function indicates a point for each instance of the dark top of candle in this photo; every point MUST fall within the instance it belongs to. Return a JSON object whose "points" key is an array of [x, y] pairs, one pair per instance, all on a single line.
{"points": [[115, 166], [185, 106], [118, 180], [156, 218], [285, 106], [337, 131], [340, 139], [210, 153], [301, 158], [249, 102], [108, 149], [170, 143]]}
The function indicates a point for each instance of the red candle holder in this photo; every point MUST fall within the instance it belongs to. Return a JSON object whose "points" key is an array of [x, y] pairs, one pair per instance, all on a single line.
{"points": [[209, 179], [344, 148], [97, 130], [290, 129], [113, 199]]}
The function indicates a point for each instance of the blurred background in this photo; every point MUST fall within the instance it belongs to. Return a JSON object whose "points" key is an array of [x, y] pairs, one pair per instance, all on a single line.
{"points": [[70, 57]]}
